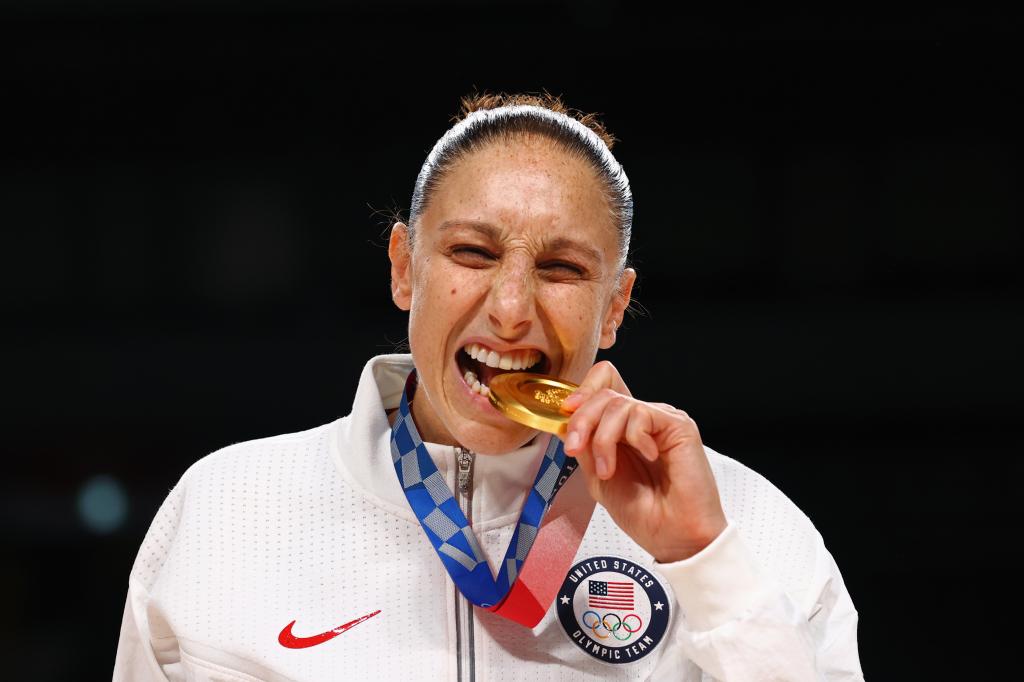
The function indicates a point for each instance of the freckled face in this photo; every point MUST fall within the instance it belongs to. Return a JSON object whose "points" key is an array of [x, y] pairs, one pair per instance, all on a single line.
{"points": [[516, 252]]}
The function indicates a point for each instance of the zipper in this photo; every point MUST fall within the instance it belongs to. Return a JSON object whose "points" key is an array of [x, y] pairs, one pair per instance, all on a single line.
{"points": [[464, 645]]}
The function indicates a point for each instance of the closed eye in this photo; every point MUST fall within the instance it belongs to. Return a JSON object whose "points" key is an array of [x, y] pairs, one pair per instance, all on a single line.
{"points": [[473, 256], [562, 268]]}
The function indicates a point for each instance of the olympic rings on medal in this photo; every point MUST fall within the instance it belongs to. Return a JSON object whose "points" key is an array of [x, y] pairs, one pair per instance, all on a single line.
{"points": [[620, 624]]}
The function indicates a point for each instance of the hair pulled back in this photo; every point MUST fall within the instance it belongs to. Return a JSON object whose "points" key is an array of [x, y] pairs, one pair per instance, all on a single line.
{"points": [[486, 119]]}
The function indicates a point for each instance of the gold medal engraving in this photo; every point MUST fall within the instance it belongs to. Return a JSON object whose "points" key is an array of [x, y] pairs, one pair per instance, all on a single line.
{"points": [[532, 399], [552, 396]]}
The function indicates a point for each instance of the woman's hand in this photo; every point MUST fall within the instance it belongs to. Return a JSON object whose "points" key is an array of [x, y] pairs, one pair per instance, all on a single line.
{"points": [[645, 463]]}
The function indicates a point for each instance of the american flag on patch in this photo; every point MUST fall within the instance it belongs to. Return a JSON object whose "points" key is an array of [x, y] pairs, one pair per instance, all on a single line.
{"points": [[610, 595]]}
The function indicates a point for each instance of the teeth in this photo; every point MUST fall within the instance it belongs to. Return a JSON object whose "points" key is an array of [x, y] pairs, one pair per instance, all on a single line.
{"points": [[519, 359], [474, 383]]}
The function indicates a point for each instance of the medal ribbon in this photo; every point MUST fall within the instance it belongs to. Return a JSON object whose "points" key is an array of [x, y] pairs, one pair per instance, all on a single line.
{"points": [[509, 594]]}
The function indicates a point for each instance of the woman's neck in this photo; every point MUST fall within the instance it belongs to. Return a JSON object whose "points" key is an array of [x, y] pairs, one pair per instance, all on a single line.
{"points": [[430, 428]]}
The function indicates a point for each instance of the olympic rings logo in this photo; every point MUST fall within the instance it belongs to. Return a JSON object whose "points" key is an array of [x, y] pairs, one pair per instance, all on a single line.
{"points": [[621, 625]]}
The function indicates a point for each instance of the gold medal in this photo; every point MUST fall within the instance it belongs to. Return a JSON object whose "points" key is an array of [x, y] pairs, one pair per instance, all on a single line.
{"points": [[532, 400]]}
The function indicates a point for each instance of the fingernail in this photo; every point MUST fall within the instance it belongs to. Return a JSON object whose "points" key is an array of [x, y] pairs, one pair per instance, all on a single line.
{"points": [[573, 441], [602, 466]]}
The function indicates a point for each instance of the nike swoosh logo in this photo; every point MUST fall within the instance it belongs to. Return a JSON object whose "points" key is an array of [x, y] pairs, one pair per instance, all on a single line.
{"points": [[287, 639]]}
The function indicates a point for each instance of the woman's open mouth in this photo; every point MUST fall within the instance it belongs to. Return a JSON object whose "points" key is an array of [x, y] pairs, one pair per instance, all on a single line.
{"points": [[478, 364]]}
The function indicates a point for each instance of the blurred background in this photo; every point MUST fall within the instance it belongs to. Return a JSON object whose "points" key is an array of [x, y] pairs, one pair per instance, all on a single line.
{"points": [[193, 198]]}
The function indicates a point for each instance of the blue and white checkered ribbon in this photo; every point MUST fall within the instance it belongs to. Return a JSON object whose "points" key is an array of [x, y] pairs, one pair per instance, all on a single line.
{"points": [[447, 527]]}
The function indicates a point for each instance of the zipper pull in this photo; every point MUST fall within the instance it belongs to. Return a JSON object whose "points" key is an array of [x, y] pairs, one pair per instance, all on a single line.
{"points": [[464, 458]]}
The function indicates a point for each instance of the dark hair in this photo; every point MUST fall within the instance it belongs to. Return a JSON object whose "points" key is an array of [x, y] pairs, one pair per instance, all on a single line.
{"points": [[487, 118]]}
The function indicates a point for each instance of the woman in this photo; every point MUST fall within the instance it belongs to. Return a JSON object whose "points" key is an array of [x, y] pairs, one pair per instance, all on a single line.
{"points": [[427, 536]]}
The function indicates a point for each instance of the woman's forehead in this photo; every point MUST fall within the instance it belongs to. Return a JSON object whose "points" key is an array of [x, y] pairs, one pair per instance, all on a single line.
{"points": [[526, 156], [524, 189]]}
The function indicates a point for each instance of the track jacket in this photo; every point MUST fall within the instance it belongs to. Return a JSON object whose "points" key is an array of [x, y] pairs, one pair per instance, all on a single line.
{"points": [[297, 557]]}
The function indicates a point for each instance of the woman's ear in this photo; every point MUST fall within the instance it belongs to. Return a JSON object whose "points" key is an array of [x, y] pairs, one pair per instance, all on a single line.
{"points": [[401, 260], [617, 309]]}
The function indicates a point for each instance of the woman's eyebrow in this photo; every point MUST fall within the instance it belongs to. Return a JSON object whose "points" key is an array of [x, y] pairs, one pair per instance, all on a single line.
{"points": [[556, 244], [476, 225]]}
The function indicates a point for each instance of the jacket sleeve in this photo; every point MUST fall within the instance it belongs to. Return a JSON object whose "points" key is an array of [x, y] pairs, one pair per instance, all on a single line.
{"points": [[136, 658], [147, 649], [739, 625]]}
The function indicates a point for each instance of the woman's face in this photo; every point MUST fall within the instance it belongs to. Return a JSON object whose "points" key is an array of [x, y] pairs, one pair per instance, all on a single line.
{"points": [[515, 266]]}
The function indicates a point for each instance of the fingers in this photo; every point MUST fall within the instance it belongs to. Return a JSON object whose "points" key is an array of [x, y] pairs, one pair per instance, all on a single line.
{"points": [[581, 426], [671, 409], [611, 427], [601, 376], [607, 419], [639, 432]]}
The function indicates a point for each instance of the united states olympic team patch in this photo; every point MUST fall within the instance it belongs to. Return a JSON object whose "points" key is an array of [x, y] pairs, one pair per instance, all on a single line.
{"points": [[613, 609]]}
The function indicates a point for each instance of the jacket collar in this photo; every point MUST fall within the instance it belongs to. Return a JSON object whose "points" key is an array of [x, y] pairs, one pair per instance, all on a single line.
{"points": [[362, 452]]}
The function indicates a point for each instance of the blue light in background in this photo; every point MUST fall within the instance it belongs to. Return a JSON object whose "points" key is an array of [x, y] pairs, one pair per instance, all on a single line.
{"points": [[102, 504]]}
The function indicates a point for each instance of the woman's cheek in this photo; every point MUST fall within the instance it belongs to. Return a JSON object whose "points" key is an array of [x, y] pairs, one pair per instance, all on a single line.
{"points": [[575, 314], [583, 314], [438, 286], [563, 316]]}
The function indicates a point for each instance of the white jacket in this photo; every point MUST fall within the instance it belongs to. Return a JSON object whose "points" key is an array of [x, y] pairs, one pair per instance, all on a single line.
{"points": [[313, 527]]}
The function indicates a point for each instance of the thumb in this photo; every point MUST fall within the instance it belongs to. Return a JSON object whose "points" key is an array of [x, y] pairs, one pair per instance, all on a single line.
{"points": [[601, 376]]}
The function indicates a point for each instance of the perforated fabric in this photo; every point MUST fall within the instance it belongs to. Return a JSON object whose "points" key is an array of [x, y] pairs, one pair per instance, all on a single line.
{"points": [[313, 527]]}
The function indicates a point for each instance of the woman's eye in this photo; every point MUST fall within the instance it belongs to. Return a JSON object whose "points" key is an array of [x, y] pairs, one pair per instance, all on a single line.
{"points": [[472, 254], [562, 268]]}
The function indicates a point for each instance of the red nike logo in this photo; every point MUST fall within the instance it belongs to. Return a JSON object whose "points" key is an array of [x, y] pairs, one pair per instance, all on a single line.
{"points": [[287, 639]]}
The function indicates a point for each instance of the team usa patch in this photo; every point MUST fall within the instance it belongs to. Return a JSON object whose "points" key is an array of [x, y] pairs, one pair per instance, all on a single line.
{"points": [[613, 609]]}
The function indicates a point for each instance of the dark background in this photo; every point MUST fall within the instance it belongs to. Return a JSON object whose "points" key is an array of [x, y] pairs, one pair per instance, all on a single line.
{"points": [[828, 213]]}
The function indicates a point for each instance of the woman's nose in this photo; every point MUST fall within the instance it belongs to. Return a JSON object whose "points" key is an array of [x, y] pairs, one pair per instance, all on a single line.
{"points": [[510, 304]]}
